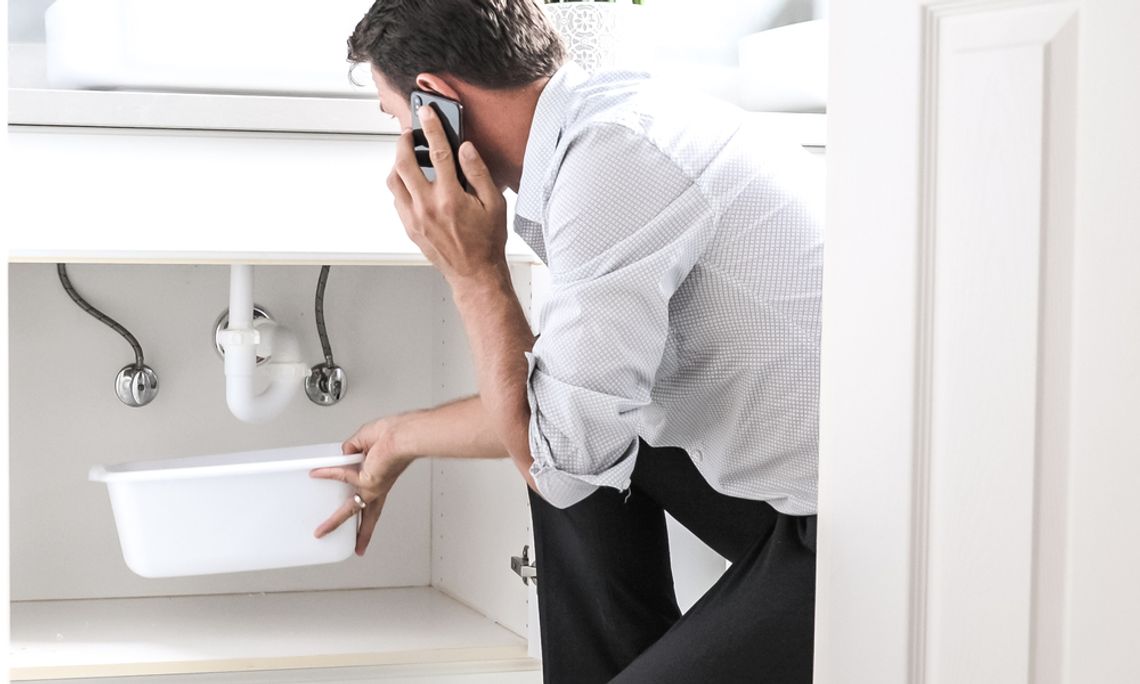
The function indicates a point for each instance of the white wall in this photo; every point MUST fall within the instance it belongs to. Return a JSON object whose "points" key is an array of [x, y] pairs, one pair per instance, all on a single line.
{"points": [[26, 20], [66, 418]]}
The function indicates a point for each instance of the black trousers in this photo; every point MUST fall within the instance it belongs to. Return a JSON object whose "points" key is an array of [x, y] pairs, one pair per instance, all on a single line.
{"points": [[606, 604]]}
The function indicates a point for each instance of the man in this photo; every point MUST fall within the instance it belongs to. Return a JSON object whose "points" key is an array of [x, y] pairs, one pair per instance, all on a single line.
{"points": [[677, 366]]}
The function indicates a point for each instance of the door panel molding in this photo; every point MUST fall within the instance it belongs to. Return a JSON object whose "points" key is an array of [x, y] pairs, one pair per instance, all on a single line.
{"points": [[994, 288]]}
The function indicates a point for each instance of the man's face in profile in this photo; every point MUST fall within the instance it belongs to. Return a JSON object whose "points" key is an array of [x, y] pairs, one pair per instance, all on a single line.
{"points": [[391, 101]]}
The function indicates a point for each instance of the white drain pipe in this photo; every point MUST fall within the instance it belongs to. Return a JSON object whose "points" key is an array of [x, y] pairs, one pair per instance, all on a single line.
{"points": [[242, 341]]}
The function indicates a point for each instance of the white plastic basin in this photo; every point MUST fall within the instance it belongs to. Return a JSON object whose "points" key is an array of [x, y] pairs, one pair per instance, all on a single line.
{"points": [[234, 512]]}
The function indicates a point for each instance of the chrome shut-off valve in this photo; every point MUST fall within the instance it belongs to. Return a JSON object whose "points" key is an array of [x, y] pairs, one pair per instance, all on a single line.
{"points": [[136, 385], [326, 384]]}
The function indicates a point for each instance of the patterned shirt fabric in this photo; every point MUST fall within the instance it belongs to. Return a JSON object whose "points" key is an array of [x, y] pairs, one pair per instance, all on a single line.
{"points": [[685, 251]]}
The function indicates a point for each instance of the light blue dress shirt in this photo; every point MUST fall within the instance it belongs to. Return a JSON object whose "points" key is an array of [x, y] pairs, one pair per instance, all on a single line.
{"points": [[685, 252]]}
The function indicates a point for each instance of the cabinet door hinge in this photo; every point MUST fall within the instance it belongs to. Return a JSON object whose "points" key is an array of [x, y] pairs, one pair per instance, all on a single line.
{"points": [[522, 567]]}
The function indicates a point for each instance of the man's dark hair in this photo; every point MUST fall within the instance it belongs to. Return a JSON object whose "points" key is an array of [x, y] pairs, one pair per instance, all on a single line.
{"points": [[489, 43]]}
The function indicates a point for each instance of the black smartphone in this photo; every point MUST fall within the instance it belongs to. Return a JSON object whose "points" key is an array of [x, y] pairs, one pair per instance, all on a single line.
{"points": [[450, 113]]}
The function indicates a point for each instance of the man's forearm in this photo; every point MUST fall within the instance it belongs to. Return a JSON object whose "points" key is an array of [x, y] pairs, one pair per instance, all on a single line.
{"points": [[464, 235], [499, 334], [460, 429]]}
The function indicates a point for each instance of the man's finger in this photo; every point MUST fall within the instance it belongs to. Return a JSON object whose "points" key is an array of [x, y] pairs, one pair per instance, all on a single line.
{"points": [[403, 199], [408, 168], [438, 146], [347, 474], [346, 511], [478, 175], [367, 524], [355, 443]]}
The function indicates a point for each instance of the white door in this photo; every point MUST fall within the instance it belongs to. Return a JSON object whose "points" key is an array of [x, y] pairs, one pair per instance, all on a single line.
{"points": [[980, 400]]}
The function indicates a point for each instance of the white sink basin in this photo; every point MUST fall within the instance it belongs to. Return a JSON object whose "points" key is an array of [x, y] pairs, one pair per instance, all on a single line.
{"points": [[785, 69], [292, 47]]}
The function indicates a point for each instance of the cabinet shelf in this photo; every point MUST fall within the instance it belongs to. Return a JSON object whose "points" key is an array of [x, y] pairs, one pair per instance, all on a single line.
{"points": [[199, 258], [246, 632], [809, 129], [263, 113], [198, 111]]}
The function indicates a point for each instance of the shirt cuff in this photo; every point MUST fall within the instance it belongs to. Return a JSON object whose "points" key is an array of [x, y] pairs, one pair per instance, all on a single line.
{"points": [[560, 488]]}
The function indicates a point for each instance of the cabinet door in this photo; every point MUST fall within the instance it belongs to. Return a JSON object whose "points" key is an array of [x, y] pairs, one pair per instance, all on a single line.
{"points": [[480, 510], [981, 349], [196, 195]]}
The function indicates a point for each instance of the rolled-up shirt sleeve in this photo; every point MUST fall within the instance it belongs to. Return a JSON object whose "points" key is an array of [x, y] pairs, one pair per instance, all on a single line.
{"points": [[623, 226]]}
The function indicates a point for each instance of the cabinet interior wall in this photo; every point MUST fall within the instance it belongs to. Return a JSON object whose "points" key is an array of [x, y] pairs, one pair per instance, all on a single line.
{"points": [[394, 330]]}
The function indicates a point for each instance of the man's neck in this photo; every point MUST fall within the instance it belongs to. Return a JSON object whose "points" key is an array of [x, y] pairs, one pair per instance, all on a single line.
{"points": [[500, 121]]}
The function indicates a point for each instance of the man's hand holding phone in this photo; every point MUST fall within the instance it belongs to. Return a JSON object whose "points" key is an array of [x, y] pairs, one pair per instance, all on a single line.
{"points": [[464, 234]]}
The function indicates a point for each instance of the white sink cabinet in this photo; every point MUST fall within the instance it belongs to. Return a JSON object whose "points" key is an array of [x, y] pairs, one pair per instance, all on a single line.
{"points": [[150, 196]]}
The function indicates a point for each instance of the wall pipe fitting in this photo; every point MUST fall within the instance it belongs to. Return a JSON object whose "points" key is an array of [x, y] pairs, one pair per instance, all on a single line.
{"points": [[243, 341]]}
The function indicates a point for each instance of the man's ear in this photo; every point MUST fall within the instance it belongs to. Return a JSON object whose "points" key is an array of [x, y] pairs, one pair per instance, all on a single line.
{"points": [[433, 83]]}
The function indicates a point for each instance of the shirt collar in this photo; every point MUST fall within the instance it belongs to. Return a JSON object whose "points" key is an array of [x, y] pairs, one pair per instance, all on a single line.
{"points": [[545, 131]]}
